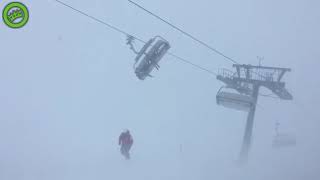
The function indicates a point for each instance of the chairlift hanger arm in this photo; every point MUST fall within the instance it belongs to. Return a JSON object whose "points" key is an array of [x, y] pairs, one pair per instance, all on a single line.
{"points": [[130, 41]]}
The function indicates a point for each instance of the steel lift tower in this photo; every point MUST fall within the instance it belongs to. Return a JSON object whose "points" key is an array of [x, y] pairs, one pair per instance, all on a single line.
{"points": [[245, 83]]}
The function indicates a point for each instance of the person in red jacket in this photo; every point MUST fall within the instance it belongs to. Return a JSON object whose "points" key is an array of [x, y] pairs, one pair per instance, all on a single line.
{"points": [[125, 141]]}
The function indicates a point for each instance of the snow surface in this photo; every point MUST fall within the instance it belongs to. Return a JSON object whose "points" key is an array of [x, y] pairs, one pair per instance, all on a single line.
{"points": [[67, 90]]}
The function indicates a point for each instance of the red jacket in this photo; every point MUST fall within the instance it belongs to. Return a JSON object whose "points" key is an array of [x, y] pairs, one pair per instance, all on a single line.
{"points": [[125, 139]]}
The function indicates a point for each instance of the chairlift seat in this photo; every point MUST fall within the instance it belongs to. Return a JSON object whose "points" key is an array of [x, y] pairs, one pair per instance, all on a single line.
{"points": [[235, 101], [149, 56], [284, 140]]}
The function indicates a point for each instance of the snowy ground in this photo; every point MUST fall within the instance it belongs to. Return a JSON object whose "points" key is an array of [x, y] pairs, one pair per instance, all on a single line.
{"points": [[67, 90]]}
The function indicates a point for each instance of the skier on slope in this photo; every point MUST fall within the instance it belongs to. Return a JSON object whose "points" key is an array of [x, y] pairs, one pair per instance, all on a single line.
{"points": [[125, 141]]}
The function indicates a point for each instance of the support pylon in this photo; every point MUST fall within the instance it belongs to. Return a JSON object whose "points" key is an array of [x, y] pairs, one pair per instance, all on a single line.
{"points": [[247, 81]]}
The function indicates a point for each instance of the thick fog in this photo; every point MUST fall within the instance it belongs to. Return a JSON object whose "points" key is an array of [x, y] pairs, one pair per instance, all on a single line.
{"points": [[68, 89]]}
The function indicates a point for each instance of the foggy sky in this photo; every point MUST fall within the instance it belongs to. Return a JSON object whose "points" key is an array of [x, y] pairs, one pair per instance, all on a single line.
{"points": [[68, 90]]}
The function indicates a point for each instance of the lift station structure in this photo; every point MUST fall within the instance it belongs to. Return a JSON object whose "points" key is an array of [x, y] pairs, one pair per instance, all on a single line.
{"points": [[241, 92]]}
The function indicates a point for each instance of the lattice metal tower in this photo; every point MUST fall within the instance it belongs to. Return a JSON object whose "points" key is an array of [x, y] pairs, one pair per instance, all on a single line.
{"points": [[246, 81]]}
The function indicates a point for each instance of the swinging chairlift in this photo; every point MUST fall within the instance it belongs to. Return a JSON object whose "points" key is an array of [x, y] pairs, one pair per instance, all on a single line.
{"points": [[149, 56]]}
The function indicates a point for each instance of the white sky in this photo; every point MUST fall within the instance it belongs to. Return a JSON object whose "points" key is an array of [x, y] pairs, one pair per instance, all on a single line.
{"points": [[68, 90]]}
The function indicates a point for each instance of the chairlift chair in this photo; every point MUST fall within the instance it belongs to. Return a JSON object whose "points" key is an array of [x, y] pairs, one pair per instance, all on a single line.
{"points": [[149, 56], [283, 140], [233, 100]]}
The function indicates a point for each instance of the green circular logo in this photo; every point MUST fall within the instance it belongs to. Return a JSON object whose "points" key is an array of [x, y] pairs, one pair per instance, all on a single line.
{"points": [[15, 15]]}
